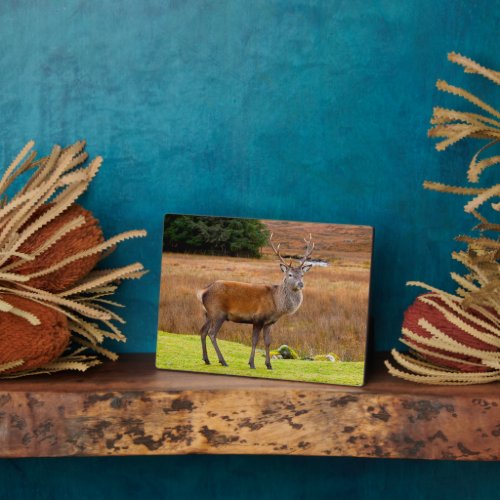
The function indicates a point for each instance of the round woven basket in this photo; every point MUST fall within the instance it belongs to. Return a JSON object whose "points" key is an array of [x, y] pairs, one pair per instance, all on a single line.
{"points": [[82, 238], [35, 345], [422, 310]]}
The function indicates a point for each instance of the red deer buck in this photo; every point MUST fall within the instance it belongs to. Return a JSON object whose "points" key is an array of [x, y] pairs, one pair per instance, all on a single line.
{"points": [[257, 304]]}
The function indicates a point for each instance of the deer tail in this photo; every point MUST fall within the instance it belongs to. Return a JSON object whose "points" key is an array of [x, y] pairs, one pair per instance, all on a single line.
{"points": [[200, 293]]}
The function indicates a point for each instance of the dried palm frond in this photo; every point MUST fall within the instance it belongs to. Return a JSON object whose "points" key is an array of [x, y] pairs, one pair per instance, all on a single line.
{"points": [[476, 305], [55, 182]]}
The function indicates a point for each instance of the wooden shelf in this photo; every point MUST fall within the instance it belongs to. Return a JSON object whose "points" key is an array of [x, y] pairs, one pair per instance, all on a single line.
{"points": [[131, 408]]}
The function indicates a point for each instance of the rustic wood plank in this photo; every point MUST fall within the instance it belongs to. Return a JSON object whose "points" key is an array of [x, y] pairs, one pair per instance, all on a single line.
{"points": [[130, 408]]}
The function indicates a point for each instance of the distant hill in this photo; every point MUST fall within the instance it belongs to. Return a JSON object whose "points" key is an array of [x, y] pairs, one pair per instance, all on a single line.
{"points": [[332, 241]]}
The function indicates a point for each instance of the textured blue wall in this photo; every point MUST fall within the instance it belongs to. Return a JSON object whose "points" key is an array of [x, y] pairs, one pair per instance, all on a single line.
{"points": [[312, 110], [245, 478], [271, 108]]}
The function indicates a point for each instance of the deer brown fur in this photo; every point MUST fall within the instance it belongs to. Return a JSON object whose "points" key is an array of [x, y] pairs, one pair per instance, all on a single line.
{"points": [[257, 304]]}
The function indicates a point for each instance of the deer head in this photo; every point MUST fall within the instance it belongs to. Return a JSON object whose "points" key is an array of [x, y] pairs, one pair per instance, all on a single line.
{"points": [[293, 275]]}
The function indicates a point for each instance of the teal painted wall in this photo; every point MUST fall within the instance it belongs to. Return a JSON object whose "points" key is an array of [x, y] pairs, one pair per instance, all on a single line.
{"points": [[312, 110], [245, 478]]}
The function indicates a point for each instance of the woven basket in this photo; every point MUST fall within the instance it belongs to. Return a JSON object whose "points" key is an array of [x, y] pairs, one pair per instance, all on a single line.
{"points": [[35, 345]]}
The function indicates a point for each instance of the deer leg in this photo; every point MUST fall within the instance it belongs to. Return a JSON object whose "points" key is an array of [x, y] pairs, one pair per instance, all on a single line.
{"points": [[203, 334], [255, 340], [267, 343], [214, 330]]}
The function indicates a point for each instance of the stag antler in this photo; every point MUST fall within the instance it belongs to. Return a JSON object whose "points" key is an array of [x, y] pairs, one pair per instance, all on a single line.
{"points": [[277, 251], [309, 249]]}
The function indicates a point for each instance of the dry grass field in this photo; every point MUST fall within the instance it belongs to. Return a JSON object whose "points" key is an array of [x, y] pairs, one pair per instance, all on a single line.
{"points": [[339, 243], [333, 315]]}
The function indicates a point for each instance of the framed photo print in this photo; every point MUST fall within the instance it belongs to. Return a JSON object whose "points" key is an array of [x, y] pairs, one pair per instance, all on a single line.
{"points": [[265, 298]]}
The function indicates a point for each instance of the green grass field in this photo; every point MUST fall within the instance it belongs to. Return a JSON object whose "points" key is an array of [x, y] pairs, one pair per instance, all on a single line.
{"points": [[183, 352]]}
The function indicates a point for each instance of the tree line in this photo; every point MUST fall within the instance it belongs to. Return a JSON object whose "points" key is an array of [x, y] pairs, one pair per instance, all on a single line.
{"points": [[223, 236]]}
